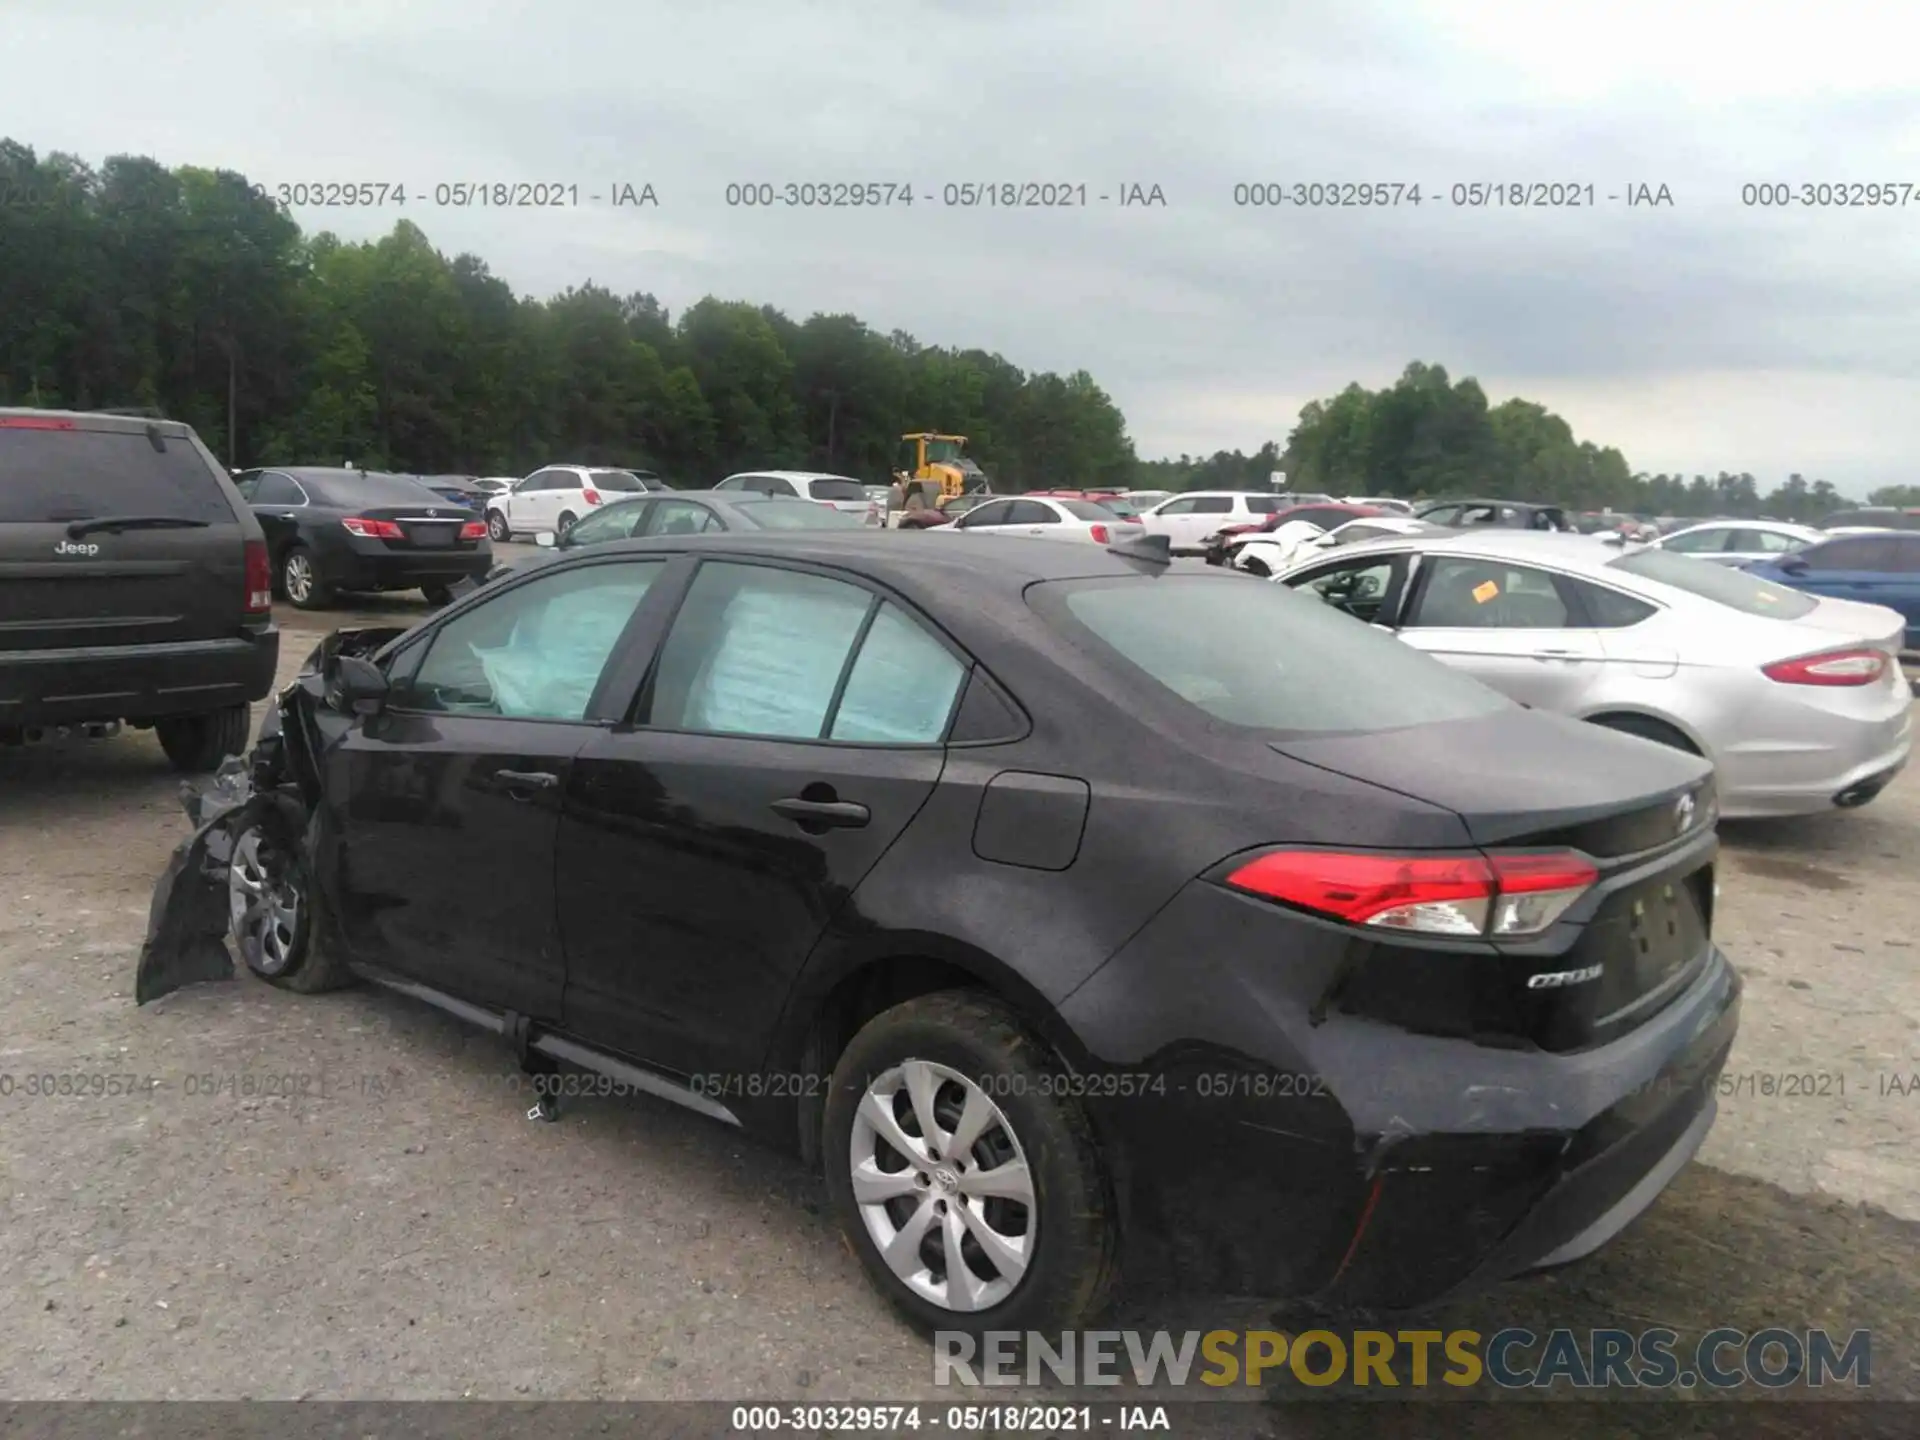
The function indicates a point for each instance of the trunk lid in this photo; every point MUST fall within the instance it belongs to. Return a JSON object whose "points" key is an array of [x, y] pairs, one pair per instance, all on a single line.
{"points": [[65, 582], [423, 526], [1522, 780]]}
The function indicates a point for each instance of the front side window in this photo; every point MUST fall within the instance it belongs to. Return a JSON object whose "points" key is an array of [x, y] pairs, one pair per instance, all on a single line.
{"points": [[1697, 542], [1466, 593], [536, 651], [615, 522], [1360, 589], [984, 516], [681, 517], [1855, 552]]}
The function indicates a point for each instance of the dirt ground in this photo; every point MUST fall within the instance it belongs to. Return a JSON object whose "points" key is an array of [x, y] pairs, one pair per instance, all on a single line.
{"points": [[398, 1230]]}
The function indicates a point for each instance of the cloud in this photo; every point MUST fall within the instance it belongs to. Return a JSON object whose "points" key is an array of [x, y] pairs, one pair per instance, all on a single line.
{"points": [[1672, 332]]}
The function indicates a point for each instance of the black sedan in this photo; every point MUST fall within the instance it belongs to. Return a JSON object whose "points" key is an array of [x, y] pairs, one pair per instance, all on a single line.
{"points": [[689, 514], [334, 530], [1069, 930]]}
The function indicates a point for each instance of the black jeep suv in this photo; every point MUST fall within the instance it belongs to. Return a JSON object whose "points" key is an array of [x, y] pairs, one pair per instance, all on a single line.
{"points": [[134, 585]]}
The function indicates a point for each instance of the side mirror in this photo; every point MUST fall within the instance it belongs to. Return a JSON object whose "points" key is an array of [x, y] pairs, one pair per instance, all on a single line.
{"points": [[546, 539], [1794, 565], [357, 685], [1614, 538]]}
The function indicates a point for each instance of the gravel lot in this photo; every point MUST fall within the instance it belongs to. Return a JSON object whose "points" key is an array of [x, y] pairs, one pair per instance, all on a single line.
{"points": [[402, 1231]]}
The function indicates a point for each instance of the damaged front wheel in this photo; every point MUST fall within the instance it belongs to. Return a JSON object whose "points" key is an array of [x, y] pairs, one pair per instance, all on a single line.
{"points": [[269, 905]]}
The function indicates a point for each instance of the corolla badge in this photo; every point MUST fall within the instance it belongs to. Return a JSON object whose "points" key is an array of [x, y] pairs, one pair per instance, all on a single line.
{"points": [[71, 547], [1682, 814]]}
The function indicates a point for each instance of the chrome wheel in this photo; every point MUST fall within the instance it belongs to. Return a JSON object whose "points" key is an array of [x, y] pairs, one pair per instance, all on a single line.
{"points": [[263, 904], [297, 577], [943, 1186]]}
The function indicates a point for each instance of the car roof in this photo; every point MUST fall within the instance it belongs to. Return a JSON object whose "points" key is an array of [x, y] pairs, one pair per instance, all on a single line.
{"points": [[914, 568], [1791, 525], [1545, 547], [1491, 500], [795, 475], [97, 420]]}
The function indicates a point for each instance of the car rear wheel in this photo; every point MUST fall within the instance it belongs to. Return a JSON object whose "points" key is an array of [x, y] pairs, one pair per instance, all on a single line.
{"points": [[963, 1175], [567, 521], [497, 527], [1254, 565], [196, 744], [269, 891], [1647, 728], [437, 594], [301, 579]]}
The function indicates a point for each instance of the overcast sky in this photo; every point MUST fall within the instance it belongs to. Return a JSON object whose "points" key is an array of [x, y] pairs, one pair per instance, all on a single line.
{"points": [[1699, 336]]}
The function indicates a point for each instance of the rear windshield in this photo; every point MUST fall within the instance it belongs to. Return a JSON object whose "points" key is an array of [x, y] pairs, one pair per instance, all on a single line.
{"points": [[837, 490], [615, 480], [350, 491], [1315, 670], [786, 515], [58, 475], [1746, 593], [1086, 510]]}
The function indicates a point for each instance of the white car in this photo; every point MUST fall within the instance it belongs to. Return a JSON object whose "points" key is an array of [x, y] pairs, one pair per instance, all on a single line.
{"points": [[1298, 541], [838, 492], [1044, 518], [1739, 542], [555, 496], [1382, 502], [1187, 520]]}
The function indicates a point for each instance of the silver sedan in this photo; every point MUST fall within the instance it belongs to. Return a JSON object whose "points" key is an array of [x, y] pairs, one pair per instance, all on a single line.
{"points": [[1797, 699]]}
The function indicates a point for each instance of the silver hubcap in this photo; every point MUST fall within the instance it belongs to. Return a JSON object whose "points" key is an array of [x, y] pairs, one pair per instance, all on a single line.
{"points": [[943, 1186], [497, 527], [299, 577], [264, 907]]}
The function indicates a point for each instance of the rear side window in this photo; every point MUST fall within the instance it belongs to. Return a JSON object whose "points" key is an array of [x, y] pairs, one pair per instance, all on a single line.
{"points": [[761, 651], [837, 490], [1268, 504], [1262, 656], [49, 476], [1748, 594], [1607, 608]]}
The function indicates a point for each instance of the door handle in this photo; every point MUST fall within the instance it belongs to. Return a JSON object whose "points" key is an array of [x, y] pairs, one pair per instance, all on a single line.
{"points": [[1557, 655], [823, 814], [526, 780]]}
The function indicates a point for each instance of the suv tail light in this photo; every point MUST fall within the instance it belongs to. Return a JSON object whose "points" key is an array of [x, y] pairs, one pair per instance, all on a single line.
{"points": [[592, 497], [1497, 897], [477, 530], [373, 529], [1100, 536], [1832, 667], [259, 582]]}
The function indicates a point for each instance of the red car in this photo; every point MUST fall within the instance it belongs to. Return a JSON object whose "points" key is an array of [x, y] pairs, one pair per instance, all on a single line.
{"points": [[1325, 516]]}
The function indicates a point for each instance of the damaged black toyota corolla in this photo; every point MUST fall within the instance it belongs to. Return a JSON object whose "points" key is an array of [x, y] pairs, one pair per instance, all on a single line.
{"points": [[1074, 914]]}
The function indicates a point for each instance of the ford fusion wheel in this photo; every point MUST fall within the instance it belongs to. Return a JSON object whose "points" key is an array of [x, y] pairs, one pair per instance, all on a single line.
{"points": [[966, 1180]]}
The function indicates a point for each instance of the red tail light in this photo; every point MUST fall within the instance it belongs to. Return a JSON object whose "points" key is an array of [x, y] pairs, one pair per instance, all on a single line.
{"points": [[475, 531], [1491, 897], [34, 422], [259, 571], [1100, 536], [592, 497], [1832, 667], [373, 529]]}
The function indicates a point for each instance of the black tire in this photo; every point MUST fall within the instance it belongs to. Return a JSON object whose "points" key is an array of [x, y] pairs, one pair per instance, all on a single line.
{"points": [[1647, 728], [1071, 1271], [567, 521], [307, 968], [1254, 565], [437, 595], [497, 529], [196, 744], [301, 579]]}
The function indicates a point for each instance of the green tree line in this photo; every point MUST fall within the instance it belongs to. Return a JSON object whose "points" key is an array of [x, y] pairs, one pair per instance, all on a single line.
{"points": [[1427, 436], [188, 290]]}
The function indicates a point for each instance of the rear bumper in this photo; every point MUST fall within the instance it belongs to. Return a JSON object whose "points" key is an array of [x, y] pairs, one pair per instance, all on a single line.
{"points": [[1385, 1170], [135, 682], [384, 569], [1805, 775]]}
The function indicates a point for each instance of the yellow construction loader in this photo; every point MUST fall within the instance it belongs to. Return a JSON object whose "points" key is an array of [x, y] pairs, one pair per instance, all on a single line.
{"points": [[942, 460]]}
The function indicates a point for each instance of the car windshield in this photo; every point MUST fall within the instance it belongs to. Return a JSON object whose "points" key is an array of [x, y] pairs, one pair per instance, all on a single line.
{"points": [[786, 515], [1746, 593], [836, 490], [621, 480], [51, 475], [1086, 510], [1316, 670]]}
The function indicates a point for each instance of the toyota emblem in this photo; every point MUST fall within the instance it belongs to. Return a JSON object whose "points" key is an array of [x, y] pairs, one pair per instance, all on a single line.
{"points": [[1682, 814]]}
